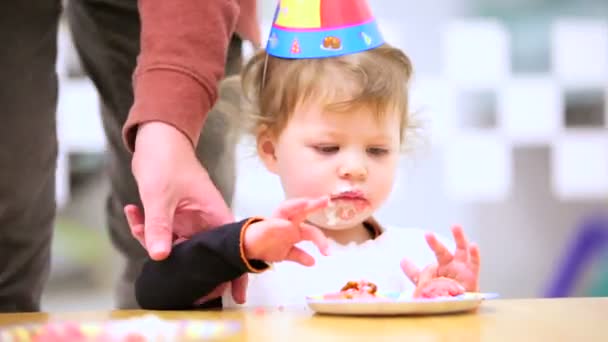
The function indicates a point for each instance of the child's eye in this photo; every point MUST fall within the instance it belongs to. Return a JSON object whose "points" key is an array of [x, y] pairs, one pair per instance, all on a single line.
{"points": [[377, 151], [327, 149]]}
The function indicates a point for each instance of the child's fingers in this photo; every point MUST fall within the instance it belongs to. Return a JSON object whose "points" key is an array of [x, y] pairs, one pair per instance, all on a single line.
{"points": [[462, 246], [424, 280], [427, 274], [442, 254], [299, 256], [316, 204], [314, 234], [290, 208], [297, 209], [440, 287], [474, 257], [135, 220], [311, 206], [410, 270]]}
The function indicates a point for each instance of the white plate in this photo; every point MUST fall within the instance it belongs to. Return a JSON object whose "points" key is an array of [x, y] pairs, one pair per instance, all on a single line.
{"points": [[398, 306]]}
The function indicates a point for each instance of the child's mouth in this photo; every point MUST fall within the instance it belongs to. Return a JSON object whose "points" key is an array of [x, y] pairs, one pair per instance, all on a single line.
{"points": [[345, 206], [354, 198], [348, 195]]}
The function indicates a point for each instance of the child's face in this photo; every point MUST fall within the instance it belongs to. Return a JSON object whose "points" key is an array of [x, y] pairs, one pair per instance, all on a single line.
{"points": [[351, 157]]}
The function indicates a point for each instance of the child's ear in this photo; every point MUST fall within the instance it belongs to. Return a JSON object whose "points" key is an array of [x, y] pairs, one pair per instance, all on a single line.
{"points": [[266, 143]]}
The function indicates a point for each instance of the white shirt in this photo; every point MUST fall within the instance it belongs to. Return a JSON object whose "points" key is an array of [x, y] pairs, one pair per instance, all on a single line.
{"points": [[378, 261]]}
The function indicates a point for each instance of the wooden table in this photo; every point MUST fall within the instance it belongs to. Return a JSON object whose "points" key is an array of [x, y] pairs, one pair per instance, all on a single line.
{"points": [[570, 319]]}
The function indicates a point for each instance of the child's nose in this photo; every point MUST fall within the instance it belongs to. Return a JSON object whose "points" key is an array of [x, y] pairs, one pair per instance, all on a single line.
{"points": [[353, 172]]}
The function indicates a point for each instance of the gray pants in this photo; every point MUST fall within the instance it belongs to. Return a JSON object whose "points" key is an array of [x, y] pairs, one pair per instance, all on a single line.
{"points": [[106, 33]]}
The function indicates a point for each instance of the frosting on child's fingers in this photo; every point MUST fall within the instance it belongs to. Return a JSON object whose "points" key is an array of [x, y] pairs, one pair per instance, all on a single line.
{"points": [[438, 287]]}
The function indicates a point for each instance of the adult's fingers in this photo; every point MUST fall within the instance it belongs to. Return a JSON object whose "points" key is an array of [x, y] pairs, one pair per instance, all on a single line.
{"points": [[158, 225], [217, 292], [239, 288], [136, 223], [215, 210]]}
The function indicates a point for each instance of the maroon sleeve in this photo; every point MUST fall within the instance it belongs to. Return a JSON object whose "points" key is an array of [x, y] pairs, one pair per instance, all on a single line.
{"points": [[183, 55]]}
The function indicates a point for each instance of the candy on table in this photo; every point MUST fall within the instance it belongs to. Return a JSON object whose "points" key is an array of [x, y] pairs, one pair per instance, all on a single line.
{"points": [[137, 329]]}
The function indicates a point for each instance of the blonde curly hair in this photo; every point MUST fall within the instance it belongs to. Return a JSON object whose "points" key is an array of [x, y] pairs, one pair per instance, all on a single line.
{"points": [[376, 80]]}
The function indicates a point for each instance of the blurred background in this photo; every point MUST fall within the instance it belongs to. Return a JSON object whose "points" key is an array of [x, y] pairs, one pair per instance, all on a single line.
{"points": [[513, 97]]}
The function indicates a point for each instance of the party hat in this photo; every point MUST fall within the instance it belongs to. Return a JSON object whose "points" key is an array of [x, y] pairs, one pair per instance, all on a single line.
{"points": [[322, 28]]}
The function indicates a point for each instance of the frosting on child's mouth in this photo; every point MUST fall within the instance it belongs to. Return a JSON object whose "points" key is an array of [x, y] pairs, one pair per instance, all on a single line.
{"points": [[343, 210], [346, 206]]}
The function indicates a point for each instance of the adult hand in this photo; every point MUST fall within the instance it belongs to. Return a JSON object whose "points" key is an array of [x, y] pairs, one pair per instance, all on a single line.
{"points": [[179, 199]]}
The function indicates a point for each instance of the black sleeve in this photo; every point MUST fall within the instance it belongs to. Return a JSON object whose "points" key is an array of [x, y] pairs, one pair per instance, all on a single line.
{"points": [[194, 268]]}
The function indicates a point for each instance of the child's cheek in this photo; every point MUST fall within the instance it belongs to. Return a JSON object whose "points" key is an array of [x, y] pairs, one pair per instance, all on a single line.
{"points": [[306, 186], [298, 180]]}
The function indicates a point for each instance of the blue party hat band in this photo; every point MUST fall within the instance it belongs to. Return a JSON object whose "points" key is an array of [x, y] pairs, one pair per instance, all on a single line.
{"points": [[322, 43]]}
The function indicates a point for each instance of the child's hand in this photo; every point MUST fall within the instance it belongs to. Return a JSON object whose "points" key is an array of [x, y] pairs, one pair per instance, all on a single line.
{"points": [[462, 266], [273, 239], [438, 287]]}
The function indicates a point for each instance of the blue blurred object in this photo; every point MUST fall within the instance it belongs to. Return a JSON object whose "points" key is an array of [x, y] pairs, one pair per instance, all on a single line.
{"points": [[591, 238]]}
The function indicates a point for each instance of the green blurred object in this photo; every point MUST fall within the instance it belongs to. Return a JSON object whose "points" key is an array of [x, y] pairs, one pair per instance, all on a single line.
{"points": [[599, 284], [78, 243]]}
